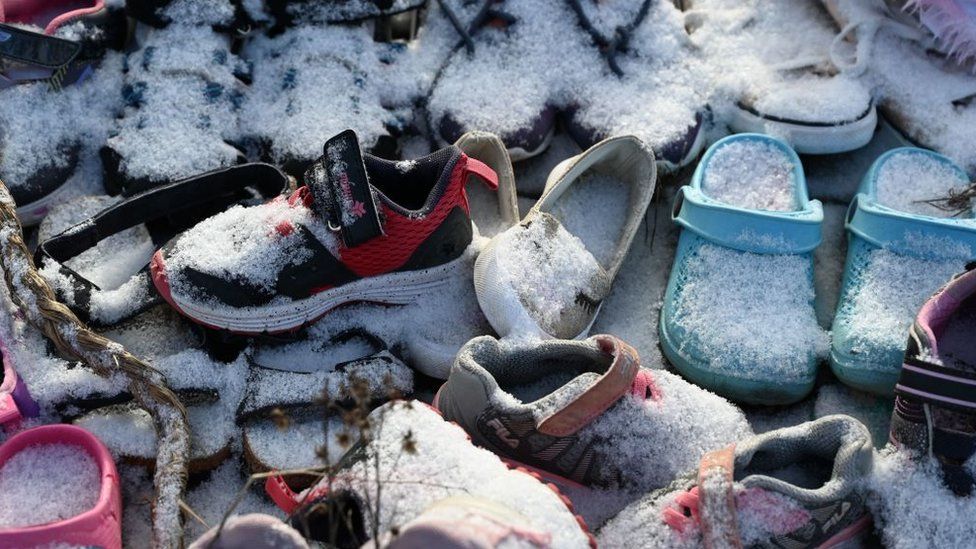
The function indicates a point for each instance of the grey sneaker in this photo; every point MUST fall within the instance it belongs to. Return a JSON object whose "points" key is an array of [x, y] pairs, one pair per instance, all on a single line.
{"points": [[756, 494], [251, 531], [584, 412]]}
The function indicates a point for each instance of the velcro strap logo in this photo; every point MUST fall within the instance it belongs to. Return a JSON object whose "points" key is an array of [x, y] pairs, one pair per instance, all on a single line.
{"points": [[35, 48], [345, 188]]}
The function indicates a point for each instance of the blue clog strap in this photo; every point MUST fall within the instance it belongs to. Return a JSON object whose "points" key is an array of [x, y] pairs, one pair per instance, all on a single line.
{"points": [[891, 229], [756, 231]]}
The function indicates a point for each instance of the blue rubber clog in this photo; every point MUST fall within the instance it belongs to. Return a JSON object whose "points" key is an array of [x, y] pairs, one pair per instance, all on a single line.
{"points": [[895, 261], [738, 316]]}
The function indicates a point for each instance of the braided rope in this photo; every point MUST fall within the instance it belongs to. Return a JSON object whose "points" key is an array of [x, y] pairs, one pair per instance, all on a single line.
{"points": [[76, 341]]}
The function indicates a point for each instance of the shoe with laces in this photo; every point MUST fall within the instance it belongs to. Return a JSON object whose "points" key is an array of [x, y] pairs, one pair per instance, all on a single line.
{"points": [[584, 412], [361, 229], [420, 460], [925, 91], [795, 487], [773, 58], [935, 405]]}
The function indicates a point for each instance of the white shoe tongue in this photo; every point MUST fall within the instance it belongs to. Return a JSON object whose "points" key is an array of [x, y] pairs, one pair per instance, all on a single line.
{"points": [[557, 278]]}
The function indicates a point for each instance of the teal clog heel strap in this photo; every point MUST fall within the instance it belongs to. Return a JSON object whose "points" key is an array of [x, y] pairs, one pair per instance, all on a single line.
{"points": [[902, 233], [756, 231]]}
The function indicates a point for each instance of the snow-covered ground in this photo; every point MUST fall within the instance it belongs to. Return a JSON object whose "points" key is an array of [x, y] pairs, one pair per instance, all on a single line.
{"points": [[299, 96]]}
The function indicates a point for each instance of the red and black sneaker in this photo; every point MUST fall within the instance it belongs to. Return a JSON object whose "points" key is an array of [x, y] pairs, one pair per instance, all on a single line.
{"points": [[361, 229]]}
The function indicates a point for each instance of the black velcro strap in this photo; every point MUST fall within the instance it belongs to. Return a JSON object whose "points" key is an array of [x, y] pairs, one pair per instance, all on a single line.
{"points": [[177, 205], [342, 192], [922, 381], [953, 445], [36, 49]]}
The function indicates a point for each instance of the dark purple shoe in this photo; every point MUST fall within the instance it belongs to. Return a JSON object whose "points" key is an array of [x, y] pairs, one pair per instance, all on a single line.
{"points": [[935, 404]]}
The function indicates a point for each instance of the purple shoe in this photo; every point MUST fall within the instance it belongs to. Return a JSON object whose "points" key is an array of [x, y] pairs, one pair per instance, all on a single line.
{"points": [[935, 404], [15, 400]]}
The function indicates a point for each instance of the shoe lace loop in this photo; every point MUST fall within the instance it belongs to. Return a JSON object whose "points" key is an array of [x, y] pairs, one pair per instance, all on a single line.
{"points": [[686, 514], [485, 14], [613, 45]]}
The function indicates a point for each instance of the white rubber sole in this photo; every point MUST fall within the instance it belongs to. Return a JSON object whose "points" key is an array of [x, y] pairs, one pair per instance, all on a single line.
{"points": [[810, 139], [401, 288], [35, 212]]}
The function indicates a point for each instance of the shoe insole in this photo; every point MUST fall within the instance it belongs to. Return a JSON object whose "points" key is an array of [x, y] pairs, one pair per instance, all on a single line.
{"points": [[810, 472], [918, 184], [751, 174], [595, 209], [531, 392]]}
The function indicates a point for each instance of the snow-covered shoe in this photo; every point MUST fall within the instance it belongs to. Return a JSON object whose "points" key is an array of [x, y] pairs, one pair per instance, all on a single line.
{"points": [[549, 274], [611, 56], [307, 88], [291, 413], [774, 59], [361, 229], [745, 253], [419, 459], [923, 91], [461, 522], [183, 92], [584, 411], [56, 41], [86, 258], [935, 406], [15, 401], [58, 487], [909, 231], [251, 531], [795, 487]]}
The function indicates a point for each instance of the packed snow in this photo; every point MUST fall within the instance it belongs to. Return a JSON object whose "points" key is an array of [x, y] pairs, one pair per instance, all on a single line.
{"points": [[184, 101], [45, 483], [910, 182], [752, 174]]}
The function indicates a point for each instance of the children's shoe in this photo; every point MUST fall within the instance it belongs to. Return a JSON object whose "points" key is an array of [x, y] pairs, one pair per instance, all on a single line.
{"points": [[183, 91], [251, 531], [613, 58], [584, 412], [795, 487], [419, 459], [84, 509], [305, 90], [738, 316], [361, 229], [935, 404], [15, 401], [293, 408], [548, 275], [925, 90], [906, 238], [156, 215], [773, 59], [56, 41]]}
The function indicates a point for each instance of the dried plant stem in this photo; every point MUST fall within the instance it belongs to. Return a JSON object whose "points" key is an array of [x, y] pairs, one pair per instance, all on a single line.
{"points": [[76, 341]]}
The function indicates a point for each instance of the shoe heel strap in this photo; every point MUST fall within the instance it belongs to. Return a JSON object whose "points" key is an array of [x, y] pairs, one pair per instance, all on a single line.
{"points": [[484, 172], [761, 232], [719, 519]]}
